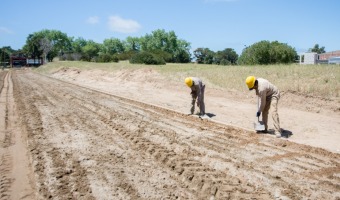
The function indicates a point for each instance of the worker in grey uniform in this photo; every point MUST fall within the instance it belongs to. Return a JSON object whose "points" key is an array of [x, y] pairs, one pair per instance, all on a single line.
{"points": [[269, 96], [197, 92]]}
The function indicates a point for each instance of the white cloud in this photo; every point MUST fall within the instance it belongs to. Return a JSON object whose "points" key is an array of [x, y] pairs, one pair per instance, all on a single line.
{"points": [[93, 20], [5, 30], [118, 24]]}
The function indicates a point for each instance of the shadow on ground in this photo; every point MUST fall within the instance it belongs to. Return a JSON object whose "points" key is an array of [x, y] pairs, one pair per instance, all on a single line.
{"points": [[284, 133], [210, 115]]}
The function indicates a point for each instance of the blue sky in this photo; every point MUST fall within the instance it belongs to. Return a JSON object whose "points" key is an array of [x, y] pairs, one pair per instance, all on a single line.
{"points": [[213, 24]]}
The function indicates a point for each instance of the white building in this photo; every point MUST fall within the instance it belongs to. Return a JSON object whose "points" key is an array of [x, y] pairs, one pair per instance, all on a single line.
{"points": [[308, 58]]}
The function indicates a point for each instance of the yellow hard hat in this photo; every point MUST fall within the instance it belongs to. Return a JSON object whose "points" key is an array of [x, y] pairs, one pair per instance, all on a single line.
{"points": [[188, 81], [250, 81]]}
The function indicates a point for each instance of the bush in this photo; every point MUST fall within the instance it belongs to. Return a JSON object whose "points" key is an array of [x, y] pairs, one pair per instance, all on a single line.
{"points": [[167, 57], [126, 55], [114, 58], [105, 58], [225, 62], [147, 58], [265, 52], [182, 56]]}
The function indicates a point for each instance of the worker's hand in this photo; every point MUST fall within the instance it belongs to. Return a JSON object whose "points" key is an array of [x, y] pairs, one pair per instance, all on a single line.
{"points": [[258, 114]]}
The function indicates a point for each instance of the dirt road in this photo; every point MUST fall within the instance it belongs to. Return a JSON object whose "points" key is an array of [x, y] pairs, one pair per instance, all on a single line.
{"points": [[86, 144]]}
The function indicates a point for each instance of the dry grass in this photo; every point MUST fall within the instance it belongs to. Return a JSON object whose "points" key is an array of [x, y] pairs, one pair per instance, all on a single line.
{"points": [[56, 66], [314, 80]]}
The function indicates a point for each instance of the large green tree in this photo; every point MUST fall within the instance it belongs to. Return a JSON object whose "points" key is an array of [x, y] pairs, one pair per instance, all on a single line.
{"points": [[226, 57], [46, 43], [77, 44], [5, 53], [160, 40], [32, 46], [132, 44], [113, 46], [182, 52], [266, 52], [204, 56], [90, 50]]}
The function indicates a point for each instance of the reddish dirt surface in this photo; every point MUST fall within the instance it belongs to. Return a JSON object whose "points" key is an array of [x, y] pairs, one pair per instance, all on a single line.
{"points": [[61, 140]]}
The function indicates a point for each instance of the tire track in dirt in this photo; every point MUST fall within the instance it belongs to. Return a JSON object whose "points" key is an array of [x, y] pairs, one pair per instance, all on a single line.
{"points": [[84, 122], [56, 175], [5, 140], [15, 173], [6, 135], [299, 164], [186, 171], [96, 145]]}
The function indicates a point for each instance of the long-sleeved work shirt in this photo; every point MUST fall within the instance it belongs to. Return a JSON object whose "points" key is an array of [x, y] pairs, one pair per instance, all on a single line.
{"points": [[265, 91], [197, 91]]}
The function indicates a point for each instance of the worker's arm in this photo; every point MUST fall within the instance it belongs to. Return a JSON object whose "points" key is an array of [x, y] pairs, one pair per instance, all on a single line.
{"points": [[262, 100]]}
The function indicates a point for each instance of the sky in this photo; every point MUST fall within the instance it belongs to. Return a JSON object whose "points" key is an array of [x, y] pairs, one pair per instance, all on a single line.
{"points": [[213, 24]]}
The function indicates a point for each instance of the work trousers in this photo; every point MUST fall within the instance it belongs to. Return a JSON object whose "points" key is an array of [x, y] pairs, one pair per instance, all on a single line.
{"points": [[272, 102], [200, 102]]}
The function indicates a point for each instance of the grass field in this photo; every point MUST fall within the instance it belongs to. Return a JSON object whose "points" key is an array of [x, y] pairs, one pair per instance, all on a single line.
{"points": [[314, 80]]}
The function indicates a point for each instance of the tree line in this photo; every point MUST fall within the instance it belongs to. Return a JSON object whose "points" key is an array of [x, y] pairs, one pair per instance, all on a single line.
{"points": [[159, 47]]}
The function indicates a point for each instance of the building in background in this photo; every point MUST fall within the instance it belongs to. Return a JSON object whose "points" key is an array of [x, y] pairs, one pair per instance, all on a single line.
{"points": [[22, 61], [308, 58], [328, 55], [334, 60], [312, 58]]}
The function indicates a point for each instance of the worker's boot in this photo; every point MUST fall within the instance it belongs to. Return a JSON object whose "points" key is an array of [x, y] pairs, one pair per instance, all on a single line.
{"points": [[277, 134]]}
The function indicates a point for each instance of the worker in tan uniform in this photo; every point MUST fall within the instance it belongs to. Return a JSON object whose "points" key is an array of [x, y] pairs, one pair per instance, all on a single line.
{"points": [[269, 96], [197, 93]]}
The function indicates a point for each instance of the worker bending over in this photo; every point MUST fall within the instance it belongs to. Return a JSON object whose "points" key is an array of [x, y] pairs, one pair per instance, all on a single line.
{"points": [[268, 95], [197, 92]]}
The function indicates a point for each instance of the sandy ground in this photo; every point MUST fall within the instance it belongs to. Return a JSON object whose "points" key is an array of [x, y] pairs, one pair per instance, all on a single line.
{"points": [[306, 120], [64, 141]]}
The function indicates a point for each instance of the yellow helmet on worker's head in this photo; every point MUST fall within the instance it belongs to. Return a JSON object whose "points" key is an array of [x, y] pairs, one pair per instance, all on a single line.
{"points": [[188, 81], [250, 81]]}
